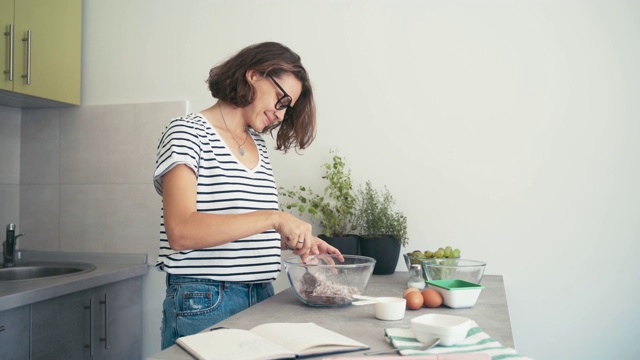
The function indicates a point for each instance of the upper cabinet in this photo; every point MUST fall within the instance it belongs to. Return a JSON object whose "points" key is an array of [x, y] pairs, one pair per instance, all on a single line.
{"points": [[6, 20], [41, 52]]}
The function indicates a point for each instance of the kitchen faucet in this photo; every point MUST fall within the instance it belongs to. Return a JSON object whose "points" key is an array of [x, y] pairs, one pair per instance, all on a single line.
{"points": [[9, 246]]}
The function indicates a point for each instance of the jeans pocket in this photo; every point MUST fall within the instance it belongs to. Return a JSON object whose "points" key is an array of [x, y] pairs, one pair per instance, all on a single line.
{"points": [[196, 298], [197, 306]]}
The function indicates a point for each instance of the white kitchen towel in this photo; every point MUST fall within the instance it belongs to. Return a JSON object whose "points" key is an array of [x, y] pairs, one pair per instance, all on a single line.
{"points": [[477, 341]]}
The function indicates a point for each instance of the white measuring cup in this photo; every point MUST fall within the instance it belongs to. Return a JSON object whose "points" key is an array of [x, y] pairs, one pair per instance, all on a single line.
{"points": [[384, 308]]}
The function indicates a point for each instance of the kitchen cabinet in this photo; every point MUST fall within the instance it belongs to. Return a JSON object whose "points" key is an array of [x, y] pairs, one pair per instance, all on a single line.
{"points": [[104, 322], [119, 332], [60, 327], [41, 52], [14, 333]]}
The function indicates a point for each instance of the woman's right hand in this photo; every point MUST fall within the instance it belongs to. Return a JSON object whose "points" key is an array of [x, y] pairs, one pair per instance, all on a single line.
{"points": [[296, 235]]}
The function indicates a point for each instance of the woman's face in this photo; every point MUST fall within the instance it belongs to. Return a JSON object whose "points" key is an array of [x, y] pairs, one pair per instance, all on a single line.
{"points": [[262, 111]]}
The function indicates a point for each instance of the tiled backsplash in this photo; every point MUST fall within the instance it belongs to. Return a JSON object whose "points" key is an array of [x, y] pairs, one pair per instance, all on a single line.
{"points": [[9, 166], [80, 180], [84, 176]]}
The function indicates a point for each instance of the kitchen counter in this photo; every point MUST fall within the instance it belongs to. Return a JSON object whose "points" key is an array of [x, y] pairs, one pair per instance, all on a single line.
{"points": [[109, 268], [357, 322]]}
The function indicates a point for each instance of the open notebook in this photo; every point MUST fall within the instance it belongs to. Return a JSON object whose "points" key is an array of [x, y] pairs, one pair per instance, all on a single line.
{"points": [[268, 341]]}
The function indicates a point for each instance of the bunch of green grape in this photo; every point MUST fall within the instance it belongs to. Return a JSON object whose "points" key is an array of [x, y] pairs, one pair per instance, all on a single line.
{"points": [[442, 256], [447, 252]]}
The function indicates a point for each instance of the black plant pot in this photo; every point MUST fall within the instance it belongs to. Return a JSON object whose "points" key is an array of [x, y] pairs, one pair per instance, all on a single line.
{"points": [[348, 244], [386, 251]]}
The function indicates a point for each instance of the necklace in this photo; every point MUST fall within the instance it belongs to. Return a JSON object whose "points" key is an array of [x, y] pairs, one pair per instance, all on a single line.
{"points": [[240, 148]]}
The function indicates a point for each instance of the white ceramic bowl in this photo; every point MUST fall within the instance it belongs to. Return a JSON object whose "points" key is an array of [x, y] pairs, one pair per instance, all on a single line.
{"points": [[457, 293], [389, 308], [449, 328]]}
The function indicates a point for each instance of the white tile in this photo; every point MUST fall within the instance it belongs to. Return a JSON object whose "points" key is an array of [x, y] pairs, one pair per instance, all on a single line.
{"points": [[9, 145], [88, 181], [9, 205], [109, 218], [113, 144], [40, 145], [92, 145], [150, 121], [39, 218]]}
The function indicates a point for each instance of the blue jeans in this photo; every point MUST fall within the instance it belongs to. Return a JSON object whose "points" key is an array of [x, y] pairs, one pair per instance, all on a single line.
{"points": [[193, 304]]}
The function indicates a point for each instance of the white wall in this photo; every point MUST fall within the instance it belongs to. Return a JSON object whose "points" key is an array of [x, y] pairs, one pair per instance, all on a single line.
{"points": [[508, 129]]}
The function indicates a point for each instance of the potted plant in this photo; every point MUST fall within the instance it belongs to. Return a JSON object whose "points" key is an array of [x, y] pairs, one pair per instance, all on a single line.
{"points": [[334, 208], [382, 229]]}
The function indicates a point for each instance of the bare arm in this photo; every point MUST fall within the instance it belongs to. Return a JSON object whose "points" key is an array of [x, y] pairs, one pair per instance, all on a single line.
{"points": [[189, 229]]}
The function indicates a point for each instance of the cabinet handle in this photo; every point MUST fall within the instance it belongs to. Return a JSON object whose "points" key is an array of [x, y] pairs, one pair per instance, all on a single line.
{"points": [[28, 41], [90, 308], [10, 35], [1, 328], [106, 321]]}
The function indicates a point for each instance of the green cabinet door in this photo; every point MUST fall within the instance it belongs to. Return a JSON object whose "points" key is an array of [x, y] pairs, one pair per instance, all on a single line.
{"points": [[6, 60], [47, 40]]}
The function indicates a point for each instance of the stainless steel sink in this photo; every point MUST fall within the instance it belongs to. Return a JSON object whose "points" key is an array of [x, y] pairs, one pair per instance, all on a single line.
{"points": [[39, 270]]}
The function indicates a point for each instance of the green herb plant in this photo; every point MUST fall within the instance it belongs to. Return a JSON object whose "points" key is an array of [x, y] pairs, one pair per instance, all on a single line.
{"points": [[334, 208], [375, 216]]}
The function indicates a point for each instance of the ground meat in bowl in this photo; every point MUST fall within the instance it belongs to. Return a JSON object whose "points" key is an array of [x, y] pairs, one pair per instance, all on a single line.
{"points": [[327, 292]]}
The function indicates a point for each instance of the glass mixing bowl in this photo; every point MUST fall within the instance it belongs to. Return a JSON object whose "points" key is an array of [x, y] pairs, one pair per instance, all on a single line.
{"points": [[460, 269], [325, 281]]}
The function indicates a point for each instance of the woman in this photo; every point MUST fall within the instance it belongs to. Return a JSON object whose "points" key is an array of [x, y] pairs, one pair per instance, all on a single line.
{"points": [[222, 234]]}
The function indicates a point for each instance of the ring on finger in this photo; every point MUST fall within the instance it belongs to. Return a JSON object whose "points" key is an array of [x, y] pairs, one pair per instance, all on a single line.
{"points": [[301, 242]]}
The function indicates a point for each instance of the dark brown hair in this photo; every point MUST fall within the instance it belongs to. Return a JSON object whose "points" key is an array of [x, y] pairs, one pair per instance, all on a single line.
{"points": [[227, 82]]}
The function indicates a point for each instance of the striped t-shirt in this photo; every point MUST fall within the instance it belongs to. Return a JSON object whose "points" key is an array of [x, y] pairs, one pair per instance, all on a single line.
{"points": [[225, 186]]}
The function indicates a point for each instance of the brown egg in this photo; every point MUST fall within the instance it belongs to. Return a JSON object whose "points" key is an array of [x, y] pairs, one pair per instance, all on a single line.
{"points": [[404, 295], [414, 300], [431, 298]]}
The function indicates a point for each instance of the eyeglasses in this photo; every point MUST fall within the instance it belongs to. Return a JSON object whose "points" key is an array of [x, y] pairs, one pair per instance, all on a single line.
{"points": [[285, 100]]}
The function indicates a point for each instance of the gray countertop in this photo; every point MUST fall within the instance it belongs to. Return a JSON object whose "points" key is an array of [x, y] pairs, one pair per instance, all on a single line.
{"points": [[357, 322], [109, 268]]}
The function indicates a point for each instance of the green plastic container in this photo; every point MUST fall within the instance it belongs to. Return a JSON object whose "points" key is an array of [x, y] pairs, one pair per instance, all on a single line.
{"points": [[457, 293]]}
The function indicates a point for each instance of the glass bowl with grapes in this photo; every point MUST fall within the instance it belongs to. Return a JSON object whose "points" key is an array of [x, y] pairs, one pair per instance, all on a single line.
{"points": [[445, 264], [453, 268], [417, 256]]}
